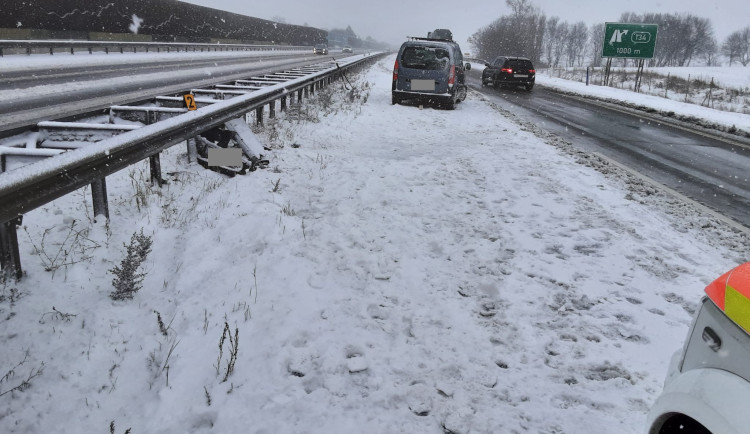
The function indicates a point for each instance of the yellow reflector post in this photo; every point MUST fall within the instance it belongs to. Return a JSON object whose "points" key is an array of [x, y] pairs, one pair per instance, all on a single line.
{"points": [[737, 308]]}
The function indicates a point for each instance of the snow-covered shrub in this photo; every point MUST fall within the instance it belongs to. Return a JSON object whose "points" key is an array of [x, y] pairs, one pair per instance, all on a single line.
{"points": [[127, 279]]}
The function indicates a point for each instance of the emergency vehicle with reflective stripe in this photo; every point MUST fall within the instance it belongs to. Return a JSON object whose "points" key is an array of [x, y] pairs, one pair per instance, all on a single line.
{"points": [[708, 382], [731, 293]]}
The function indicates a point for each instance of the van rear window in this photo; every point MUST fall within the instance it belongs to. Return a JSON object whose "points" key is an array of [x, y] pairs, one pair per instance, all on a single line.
{"points": [[431, 58]]}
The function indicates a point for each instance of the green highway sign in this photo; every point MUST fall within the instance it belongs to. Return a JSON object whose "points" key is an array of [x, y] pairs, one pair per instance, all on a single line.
{"points": [[629, 41]]}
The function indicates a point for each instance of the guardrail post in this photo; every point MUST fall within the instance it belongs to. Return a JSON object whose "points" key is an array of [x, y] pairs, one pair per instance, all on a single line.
{"points": [[99, 196], [51, 51], [283, 103], [272, 109], [71, 50], [192, 150], [10, 257], [259, 115], [155, 165]]}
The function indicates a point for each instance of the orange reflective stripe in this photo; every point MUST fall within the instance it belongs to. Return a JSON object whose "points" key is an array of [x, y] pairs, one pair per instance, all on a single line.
{"points": [[731, 293], [717, 288], [739, 279]]}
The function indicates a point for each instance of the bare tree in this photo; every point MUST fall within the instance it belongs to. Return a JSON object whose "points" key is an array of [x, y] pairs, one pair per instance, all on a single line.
{"points": [[745, 47], [575, 45], [737, 47], [521, 8], [550, 39], [518, 34], [681, 38], [710, 57], [559, 46], [595, 45], [700, 37]]}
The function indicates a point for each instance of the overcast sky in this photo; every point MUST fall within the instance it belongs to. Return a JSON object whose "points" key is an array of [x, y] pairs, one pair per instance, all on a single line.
{"points": [[392, 20]]}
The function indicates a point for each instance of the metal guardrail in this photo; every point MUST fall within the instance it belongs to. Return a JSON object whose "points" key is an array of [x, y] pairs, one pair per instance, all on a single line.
{"points": [[27, 46], [29, 187]]}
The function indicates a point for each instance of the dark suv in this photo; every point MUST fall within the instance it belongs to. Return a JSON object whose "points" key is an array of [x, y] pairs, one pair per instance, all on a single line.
{"points": [[509, 71], [430, 70]]}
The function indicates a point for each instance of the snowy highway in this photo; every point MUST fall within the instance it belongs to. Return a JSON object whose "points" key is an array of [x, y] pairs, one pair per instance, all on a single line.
{"points": [[395, 269], [704, 167]]}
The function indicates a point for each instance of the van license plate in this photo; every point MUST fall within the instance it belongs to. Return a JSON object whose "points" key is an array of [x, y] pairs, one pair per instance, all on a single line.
{"points": [[423, 85], [520, 75]]}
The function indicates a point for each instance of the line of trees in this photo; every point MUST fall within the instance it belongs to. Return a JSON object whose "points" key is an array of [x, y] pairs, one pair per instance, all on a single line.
{"points": [[682, 39], [342, 37]]}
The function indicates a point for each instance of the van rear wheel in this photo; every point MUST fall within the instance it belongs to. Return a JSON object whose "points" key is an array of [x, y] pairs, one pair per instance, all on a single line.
{"points": [[395, 100]]}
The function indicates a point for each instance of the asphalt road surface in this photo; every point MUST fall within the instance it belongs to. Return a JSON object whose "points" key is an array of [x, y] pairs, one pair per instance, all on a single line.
{"points": [[708, 169]]}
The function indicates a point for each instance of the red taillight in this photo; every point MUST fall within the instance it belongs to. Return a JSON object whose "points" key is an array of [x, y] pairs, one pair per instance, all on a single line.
{"points": [[395, 71], [508, 70], [531, 71], [452, 77]]}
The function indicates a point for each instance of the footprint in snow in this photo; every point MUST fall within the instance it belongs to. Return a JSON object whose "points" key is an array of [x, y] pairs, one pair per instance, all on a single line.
{"points": [[377, 311], [419, 399], [357, 364], [356, 361], [300, 365], [673, 298]]}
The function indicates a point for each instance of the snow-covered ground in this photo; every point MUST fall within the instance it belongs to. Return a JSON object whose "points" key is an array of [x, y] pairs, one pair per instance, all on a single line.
{"points": [[735, 76], [730, 90], [726, 119], [395, 269]]}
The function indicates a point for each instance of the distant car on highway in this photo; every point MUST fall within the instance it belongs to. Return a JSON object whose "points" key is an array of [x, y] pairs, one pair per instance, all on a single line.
{"points": [[708, 382], [509, 71], [346, 49], [320, 49]]}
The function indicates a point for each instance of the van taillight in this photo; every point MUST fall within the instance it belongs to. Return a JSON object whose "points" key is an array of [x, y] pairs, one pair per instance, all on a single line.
{"points": [[508, 70], [395, 71], [452, 77]]}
